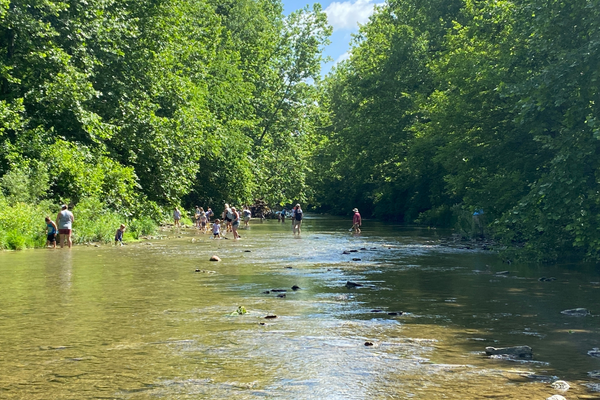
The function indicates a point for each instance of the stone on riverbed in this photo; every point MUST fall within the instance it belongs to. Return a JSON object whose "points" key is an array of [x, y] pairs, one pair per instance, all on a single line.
{"points": [[515, 352], [352, 284], [215, 258], [295, 287], [556, 397], [595, 352], [576, 312], [594, 374]]}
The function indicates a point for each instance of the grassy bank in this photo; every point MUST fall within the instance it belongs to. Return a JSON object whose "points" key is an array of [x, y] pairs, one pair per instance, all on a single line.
{"points": [[22, 225]]}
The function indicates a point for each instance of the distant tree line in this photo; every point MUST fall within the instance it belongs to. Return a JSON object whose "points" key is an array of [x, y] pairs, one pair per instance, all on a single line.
{"points": [[446, 107]]}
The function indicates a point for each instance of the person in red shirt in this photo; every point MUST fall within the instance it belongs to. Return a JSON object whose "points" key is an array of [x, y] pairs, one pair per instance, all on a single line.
{"points": [[356, 221]]}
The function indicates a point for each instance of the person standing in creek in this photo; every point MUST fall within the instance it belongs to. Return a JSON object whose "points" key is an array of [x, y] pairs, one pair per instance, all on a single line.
{"points": [[297, 219], [176, 217], [356, 221], [65, 220]]}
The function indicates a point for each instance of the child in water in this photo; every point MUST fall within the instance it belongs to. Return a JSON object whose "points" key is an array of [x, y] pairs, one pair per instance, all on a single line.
{"points": [[51, 231], [119, 235], [216, 229]]}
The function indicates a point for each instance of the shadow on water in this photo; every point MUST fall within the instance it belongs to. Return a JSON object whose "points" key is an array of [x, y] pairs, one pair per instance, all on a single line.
{"points": [[139, 322]]}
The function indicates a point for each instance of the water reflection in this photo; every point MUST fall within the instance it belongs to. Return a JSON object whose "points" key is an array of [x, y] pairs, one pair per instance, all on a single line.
{"points": [[138, 322]]}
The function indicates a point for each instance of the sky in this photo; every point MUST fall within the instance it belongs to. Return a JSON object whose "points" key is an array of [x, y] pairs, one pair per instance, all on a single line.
{"points": [[344, 16]]}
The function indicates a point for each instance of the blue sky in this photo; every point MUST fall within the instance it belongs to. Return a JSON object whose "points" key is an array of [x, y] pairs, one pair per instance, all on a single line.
{"points": [[344, 16]]}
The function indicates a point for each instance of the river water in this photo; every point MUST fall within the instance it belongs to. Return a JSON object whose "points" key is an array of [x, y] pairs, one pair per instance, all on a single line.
{"points": [[138, 322]]}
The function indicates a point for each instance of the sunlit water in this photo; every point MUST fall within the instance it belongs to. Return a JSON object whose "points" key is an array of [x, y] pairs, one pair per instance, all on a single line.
{"points": [[138, 322]]}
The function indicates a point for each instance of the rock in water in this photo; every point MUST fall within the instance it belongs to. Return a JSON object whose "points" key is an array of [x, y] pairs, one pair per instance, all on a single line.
{"points": [[215, 258], [368, 343], [295, 287], [594, 374], [352, 284], [516, 351], [282, 295], [356, 259], [595, 352], [561, 385], [576, 312], [556, 397]]}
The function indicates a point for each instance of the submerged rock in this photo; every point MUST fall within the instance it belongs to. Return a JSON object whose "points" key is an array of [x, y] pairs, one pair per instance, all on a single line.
{"points": [[266, 292], [515, 352], [350, 285], [544, 279], [595, 352], [278, 290], [356, 259], [295, 287], [576, 312], [346, 252], [353, 251], [502, 272], [594, 374], [282, 295], [215, 258], [368, 344], [376, 310], [271, 316], [556, 397], [395, 313]]}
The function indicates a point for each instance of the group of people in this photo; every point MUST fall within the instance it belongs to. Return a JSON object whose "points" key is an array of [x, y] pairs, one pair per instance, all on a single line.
{"points": [[63, 227], [230, 216]]}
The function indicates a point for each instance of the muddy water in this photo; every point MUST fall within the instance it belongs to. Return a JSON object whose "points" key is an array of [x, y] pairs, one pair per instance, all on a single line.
{"points": [[139, 323]]}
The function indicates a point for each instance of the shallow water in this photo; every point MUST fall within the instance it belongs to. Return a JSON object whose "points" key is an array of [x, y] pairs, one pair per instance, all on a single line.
{"points": [[138, 323]]}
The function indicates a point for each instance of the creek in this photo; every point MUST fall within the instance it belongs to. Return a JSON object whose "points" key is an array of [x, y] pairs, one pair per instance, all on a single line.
{"points": [[138, 322]]}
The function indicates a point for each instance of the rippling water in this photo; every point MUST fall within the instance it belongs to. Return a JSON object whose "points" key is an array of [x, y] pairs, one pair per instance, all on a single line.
{"points": [[139, 323]]}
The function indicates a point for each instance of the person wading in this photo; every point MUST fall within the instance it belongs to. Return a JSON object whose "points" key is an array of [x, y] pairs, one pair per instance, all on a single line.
{"points": [[65, 220]]}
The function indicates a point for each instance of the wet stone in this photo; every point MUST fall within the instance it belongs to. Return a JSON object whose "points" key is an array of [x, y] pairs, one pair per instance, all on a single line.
{"points": [[282, 295], [295, 287], [503, 273], [346, 252], [271, 316], [556, 397], [514, 352], [368, 344], [278, 290], [595, 352], [350, 284], [215, 258], [356, 259], [376, 311], [576, 312], [544, 279], [395, 313], [594, 374]]}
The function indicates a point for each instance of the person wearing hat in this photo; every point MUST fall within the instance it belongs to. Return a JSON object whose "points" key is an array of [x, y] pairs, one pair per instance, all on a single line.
{"points": [[65, 220], [356, 221]]}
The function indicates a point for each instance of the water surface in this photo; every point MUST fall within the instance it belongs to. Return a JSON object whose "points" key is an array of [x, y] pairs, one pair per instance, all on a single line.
{"points": [[138, 322]]}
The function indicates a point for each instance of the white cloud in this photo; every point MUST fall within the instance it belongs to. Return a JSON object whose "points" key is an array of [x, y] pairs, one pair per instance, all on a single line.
{"points": [[343, 57], [348, 14]]}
